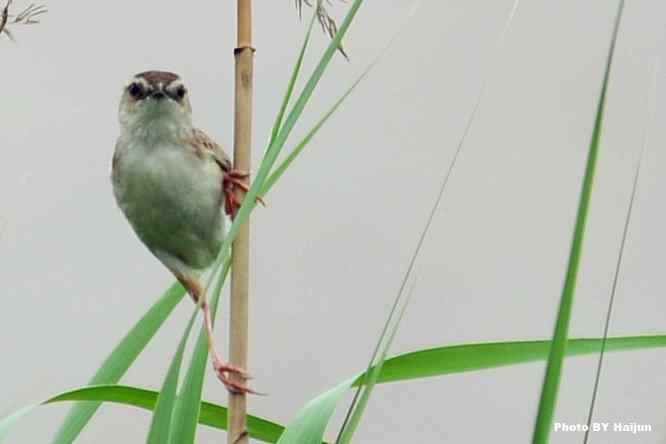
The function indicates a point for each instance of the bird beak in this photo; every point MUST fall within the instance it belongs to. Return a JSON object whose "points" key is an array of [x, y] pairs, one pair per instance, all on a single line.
{"points": [[158, 95]]}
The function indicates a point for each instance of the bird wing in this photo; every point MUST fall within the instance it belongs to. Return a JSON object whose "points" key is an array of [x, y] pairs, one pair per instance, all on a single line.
{"points": [[205, 144]]}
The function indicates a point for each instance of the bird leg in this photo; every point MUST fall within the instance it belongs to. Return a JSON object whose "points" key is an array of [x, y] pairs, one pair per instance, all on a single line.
{"points": [[222, 369], [235, 179]]}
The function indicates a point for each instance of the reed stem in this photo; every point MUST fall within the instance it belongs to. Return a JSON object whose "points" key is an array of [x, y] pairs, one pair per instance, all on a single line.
{"points": [[238, 324]]}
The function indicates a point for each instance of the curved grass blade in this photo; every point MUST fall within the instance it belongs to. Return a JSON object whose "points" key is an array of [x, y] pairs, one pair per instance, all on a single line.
{"points": [[651, 112], [472, 357], [309, 424], [414, 365], [160, 426], [551, 382], [120, 359], [211, 414]]}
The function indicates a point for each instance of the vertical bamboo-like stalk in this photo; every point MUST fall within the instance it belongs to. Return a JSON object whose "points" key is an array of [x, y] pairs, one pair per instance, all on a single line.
{"points": [[238, 335]]}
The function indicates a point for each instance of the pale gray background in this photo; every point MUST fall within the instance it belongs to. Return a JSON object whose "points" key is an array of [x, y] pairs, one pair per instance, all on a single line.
{"points": [[330, 250]]}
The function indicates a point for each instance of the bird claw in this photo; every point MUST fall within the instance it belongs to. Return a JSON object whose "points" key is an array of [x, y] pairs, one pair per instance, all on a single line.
{"points": [[232, 180], [238, 389], [223, 368], [223, 371], [238, 174]]}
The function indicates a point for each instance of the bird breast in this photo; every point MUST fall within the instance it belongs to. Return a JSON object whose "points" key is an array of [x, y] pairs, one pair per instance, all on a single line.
{"points": [[171, 195]]}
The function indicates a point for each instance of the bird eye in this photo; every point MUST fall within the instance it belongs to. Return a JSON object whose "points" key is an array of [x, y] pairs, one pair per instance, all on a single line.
{"points": [[180, 92], [135, 90]]}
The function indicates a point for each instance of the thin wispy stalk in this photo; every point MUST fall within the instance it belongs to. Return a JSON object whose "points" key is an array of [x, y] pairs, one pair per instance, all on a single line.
{"points": [[28, 16], [426, 229], [650, 114], [553, 375], [326, 21]]}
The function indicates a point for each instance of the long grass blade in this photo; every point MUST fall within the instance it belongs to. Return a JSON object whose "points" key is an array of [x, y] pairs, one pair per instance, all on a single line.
{"points": [[292, 82], [186, 409], [120, 359], [424, 363], [278, 171], [548, 401], [309, 424], [160, 427], [651, 112], [212, 415]]}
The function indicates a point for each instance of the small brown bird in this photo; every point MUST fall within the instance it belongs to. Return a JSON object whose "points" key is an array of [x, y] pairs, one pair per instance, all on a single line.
{"points": [[171, 180]]}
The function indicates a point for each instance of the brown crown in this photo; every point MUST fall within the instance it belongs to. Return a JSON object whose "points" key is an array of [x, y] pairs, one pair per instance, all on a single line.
{"points": [[156, 77]]}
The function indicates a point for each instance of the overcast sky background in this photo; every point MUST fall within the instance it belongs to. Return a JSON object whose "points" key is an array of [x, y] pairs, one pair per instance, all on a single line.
{"points": [[329, 252]]}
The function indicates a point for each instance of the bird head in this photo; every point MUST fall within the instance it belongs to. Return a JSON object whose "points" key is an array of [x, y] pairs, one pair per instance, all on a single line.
{"points": [[155, 99]]}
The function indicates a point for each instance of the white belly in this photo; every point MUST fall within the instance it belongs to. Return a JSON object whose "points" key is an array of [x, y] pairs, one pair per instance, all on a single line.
{"points": [[172, 197]]}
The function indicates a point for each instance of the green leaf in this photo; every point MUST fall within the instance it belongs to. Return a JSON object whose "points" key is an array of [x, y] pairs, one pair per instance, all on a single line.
{"points": [[292, 81], [211, 414], [160, 426], [311, 422], [120, 359], [186, 410], [551, 382], [277, 173], [472, 357]]}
